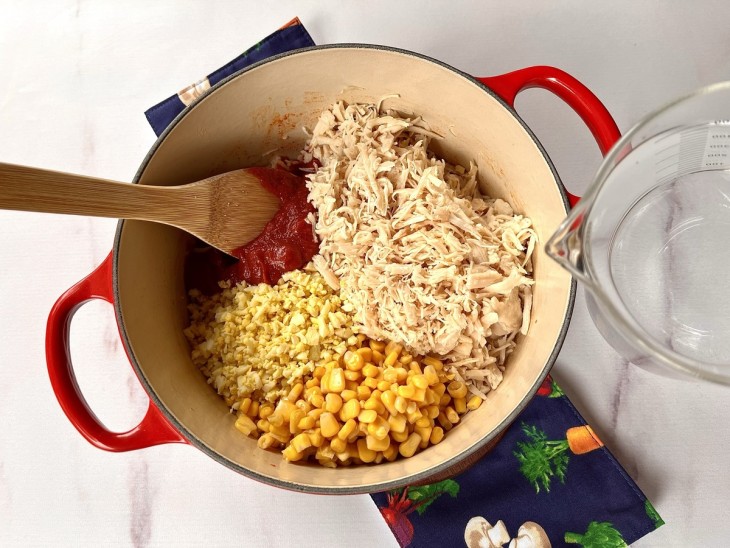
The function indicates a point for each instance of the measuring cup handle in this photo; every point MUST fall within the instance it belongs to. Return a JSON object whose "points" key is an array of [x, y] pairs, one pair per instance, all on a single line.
{"points": [[152, 430], [576, 95]]}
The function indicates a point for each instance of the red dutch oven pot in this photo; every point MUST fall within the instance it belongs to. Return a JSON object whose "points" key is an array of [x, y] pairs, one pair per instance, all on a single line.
{"points": [[244, 121]]}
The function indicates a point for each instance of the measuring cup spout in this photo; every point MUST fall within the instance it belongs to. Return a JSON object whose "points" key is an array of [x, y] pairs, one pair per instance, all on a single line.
{"points": [[566, 245]]}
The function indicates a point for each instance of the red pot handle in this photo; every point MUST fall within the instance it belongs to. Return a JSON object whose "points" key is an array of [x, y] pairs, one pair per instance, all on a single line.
{"points": [[576, 95], [154, 428]]}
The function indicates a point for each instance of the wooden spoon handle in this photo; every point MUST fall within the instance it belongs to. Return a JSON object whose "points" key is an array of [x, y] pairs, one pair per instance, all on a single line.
{"points": [[31, 189]]}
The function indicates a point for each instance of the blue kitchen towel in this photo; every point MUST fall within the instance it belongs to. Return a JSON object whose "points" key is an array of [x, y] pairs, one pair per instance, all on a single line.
{"points": [[291, 36], [550, 479]]}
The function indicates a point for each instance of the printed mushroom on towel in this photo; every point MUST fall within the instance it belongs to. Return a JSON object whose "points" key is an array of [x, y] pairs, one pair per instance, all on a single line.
{"points": [[479, 533]]}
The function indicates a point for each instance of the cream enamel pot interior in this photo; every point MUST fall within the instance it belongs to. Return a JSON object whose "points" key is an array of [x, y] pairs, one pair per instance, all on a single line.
{"points": [[244, 121]]}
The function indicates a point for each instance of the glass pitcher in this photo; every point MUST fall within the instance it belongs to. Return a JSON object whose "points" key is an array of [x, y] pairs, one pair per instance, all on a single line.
{"points": [[651, 239]]}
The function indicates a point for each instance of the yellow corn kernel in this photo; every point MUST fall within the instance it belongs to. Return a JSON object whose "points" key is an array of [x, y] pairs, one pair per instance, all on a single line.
{"points": [[365, 353], [391, 359], [354, 361], [253, 409], [401, 404], [294, 418], [317, 400], [445, 400], [266, 441], [370, 370], [325, 452], [375, 405], [265, 411], [391, 453], [402, 374], [413, 416], [305, 423], [277, 419], [329, 425], [362, 428], [245, 424], [419, 395], [430, 397], [383, 385], [437, 364], [424, 422], [452, 415], [411, 408], [316, 437], [444, 421], [457, 389], [377, 345], [351, 385], [363, 392], [295, 392], [408, 447], [338, 445], [379, 428], [370, 382], [439, 389], [245, 404], [474, 403], [291, 454], [304, 406], [420, 381], [388, 400], [415, 367], [460, 405], [332, 403], [285, 408], [407, 391], [362, 338], [316, 413], [352, 375], [375, 444], [348, 428], [312, 383], [431, 375], [390, 375], [393, 346], [330, 365], [378, 357], [405, 359], [425, 434], [432, 411], [364, 453], [400, 436], [263, 425], [367, 416], [318, 372], [397, 423], [336, 380], [437, 434], [350, 410], [301, 442]]}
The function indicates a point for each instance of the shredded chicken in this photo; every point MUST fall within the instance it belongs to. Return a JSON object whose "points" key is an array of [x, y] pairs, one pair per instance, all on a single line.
{"points": [[408, 239]]}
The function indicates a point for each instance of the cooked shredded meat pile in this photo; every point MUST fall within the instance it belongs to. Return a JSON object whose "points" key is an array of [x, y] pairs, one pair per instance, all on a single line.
{"points": [[408, 239]]}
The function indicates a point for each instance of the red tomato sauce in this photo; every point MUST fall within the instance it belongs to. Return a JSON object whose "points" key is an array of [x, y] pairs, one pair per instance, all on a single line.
{"points": [[286, 243]]}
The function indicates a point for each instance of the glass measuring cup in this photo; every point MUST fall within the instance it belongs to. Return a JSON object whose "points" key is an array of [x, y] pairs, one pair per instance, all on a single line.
{"points": [[651, 239]]}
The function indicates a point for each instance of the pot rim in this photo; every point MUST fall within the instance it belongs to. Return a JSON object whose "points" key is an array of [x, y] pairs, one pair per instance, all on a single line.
{"points": [[364, 488]]}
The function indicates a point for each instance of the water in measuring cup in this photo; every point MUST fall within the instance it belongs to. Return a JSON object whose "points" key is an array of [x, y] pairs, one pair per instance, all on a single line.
{"points": [[670, 256]]}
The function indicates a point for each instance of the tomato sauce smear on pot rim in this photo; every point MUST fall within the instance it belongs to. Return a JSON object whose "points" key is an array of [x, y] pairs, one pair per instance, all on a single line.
{"points": [[286, 243]]}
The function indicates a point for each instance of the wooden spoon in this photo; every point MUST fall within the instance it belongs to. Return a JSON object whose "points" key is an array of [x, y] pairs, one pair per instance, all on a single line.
{"points": [[226, 211]]}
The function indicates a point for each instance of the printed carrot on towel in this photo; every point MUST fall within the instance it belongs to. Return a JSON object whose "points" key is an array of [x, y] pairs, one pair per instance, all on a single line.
{"points": [[542, 459]]}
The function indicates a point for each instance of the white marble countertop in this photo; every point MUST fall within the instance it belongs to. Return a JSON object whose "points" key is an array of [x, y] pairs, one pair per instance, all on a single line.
{"points": [[76, 79]]}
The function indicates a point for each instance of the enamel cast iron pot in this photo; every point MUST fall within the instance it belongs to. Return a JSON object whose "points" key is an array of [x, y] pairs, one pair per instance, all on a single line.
{"points": [[244, 121]]}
